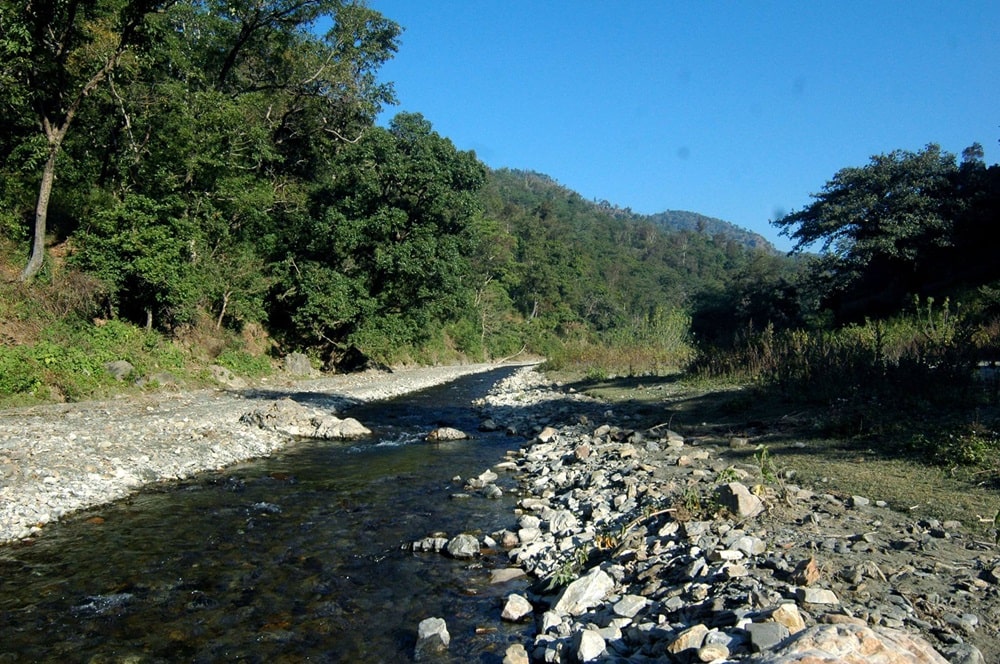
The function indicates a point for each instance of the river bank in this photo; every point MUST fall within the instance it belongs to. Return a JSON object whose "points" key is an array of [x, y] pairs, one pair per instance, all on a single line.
{"points": [[62, 458], [640, 544], [646, 545]]}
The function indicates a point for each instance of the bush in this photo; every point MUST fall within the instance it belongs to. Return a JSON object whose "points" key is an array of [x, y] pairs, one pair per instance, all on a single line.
{"points": [[19, 374], [245, 364]]}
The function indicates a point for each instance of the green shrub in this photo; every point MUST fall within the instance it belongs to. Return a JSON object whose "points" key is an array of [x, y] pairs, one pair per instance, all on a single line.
{"points": [[19, 374], [244, 364]]}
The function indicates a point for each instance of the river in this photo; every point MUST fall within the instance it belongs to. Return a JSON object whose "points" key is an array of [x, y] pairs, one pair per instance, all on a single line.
{"points": [[292, 558]]}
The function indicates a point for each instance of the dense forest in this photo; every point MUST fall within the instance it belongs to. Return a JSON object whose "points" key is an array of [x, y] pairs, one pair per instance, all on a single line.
{"points": [[210, 177]]}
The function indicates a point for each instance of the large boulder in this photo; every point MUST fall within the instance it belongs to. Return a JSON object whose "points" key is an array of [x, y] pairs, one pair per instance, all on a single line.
{"points": [[298, 364], [293, 419]]}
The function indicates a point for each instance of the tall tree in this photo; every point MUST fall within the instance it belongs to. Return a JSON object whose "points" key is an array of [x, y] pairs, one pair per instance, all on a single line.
{"points": [[237, 115], [60, 52], [878, 227], [385, 254]]}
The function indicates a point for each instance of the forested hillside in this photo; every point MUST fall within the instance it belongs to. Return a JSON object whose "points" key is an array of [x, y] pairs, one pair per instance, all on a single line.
{"points": [[186, 165], [692, 221], [206, 181]]}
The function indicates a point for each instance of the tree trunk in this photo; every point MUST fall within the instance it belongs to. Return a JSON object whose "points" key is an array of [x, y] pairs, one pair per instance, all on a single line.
{"points": [[42, 212], [222, 312]]}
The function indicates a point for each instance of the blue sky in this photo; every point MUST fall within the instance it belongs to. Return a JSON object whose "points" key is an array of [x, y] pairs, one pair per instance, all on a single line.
{"points": [[737, 110]]}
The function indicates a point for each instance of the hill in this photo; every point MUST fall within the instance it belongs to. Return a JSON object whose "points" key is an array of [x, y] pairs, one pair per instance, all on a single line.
{"points": [[683, 220]]}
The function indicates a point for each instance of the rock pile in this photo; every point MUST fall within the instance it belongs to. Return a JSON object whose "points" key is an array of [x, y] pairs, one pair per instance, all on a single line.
{"points": [[294, 419], [648, 547]]}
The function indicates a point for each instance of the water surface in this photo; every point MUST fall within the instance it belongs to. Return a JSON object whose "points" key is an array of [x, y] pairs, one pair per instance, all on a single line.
{"points": [[292, 558]]}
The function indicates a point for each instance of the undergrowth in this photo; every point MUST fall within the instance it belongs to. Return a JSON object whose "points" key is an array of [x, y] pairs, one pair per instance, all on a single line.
{"points": [[914, 385]]}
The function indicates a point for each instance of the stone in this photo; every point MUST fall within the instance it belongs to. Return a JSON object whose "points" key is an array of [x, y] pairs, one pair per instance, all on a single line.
{"points": [[293, 419], [432, 637], [584, 593], [963, 653], [516, 654], [526, 535], [859, 501], [492, 491], [734, 571], [119, 369], [750, 546], [463, 546], [563, 522], [550, 620], [505, 574], [816, 596], [516, 607], [736, 497], [548, 434], [226, 377], [161, 378], [629, 605], [297, 364], [444, 434], [689, 639], [849, 644], [332, 428], [806, 573], [789, 616], [713, 652], [765, 634], [488, 426], [589, 645]]}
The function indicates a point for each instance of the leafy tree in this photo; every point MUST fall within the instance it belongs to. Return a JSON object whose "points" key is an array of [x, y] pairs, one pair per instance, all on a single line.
{"points": [[58, 53], [888, 229], [233, 118], [385, 252], [143, 249]]}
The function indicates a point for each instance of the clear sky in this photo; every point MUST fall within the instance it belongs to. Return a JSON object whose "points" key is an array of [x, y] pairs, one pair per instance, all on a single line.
{"points": [[738, 110]]}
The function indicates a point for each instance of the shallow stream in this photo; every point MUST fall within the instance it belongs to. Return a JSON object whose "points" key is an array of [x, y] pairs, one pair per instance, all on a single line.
{"points": [[292, 558]]}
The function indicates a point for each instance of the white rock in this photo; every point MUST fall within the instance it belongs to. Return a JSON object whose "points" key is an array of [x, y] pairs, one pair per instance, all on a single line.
{"points": [[516, 608]]}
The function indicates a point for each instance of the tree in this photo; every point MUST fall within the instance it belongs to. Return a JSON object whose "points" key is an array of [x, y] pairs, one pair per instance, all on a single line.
{"points": [[59, 53], [384, 255], [881, 227]]}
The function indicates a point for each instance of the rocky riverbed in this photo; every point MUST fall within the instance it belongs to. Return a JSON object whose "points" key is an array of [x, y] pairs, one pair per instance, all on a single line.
{"points": [[643, 546], [638, 544], [57, 459]]}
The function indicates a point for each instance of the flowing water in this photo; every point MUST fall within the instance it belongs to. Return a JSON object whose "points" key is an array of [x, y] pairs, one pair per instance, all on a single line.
{"points": [[292, 558]]}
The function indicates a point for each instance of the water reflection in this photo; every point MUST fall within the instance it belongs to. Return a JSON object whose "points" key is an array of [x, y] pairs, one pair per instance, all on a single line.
{"points": [[292, 558]]}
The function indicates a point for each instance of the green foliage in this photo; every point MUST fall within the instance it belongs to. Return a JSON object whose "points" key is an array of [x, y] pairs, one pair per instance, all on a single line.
{"points": [[142, 249], [19, 374], [244, 364], [571, 568], [766, 466], [905, 224]]}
